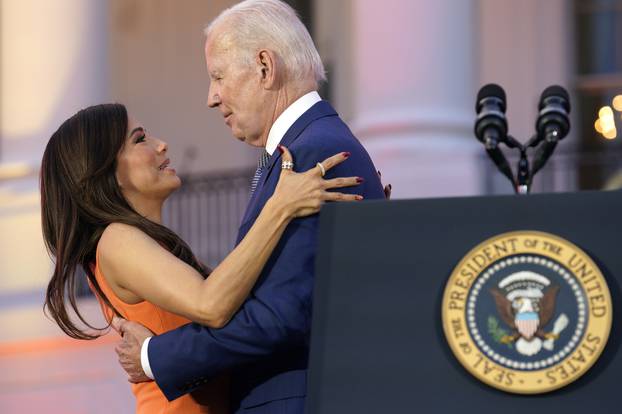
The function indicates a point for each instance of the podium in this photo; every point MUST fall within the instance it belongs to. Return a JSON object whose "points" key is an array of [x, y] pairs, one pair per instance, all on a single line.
{"points": [[377, 342]]}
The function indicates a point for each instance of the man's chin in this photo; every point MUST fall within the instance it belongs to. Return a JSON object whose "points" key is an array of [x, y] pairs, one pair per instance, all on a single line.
{"points": [[248, 142], [237, 135], [255, 142]]}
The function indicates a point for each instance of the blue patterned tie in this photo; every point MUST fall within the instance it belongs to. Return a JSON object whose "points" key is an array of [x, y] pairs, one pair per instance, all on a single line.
{"points": [[261, 164]]}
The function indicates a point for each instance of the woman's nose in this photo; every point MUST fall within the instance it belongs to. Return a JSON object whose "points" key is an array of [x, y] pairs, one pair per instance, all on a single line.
{"points": [[162, 146]]}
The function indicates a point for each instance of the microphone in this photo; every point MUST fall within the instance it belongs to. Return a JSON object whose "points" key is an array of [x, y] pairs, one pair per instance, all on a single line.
{"points": [[491, 126], [553, 123]]}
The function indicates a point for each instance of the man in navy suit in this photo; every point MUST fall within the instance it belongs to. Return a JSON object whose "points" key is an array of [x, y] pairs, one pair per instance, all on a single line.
{"points": [[264, 72]]}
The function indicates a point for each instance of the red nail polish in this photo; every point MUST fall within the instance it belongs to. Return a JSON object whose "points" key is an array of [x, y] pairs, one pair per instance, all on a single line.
{"points": [[360, 180], [346, 154], [281, 150]]}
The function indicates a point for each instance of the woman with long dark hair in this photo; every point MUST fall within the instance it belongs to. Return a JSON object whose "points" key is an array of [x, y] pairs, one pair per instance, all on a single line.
{"points": [[103, 181]]}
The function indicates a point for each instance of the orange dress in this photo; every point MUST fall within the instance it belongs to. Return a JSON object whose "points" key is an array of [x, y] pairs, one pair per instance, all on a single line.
{"points": [[149, 399]]}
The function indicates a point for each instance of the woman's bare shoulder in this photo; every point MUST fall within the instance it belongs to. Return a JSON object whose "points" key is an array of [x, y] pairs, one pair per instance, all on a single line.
{"points": [[118, 237], [116, 232], [118, 255]]}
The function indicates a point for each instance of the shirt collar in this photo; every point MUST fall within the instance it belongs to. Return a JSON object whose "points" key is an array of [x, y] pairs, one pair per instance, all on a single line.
{"points": [[288, 117]]}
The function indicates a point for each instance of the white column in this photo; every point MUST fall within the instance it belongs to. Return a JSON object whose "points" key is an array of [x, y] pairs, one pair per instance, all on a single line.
{"points": [[54, 62], [415, 83]]}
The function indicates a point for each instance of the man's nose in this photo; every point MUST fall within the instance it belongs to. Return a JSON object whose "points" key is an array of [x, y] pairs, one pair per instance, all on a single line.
{"points": [[213, 99]]}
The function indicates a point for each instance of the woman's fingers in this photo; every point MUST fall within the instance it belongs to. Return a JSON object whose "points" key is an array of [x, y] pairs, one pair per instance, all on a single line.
{"points": [[316, 205], [336, 159], [286, 157], [387, 188], [343, 182], [332, 196]]}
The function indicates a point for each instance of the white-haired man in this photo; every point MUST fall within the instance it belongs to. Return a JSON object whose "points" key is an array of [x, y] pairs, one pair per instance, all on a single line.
{"points": [[264, 72]]}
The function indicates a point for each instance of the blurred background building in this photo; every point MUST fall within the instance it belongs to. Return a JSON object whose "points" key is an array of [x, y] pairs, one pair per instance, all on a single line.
{"points": [[403, 73]]}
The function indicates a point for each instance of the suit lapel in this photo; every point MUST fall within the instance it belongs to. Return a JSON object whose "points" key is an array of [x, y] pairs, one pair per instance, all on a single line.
{"points": [[317, 111]]}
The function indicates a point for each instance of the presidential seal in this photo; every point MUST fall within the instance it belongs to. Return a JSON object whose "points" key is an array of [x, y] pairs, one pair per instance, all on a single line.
{"points": [[527, 312]]}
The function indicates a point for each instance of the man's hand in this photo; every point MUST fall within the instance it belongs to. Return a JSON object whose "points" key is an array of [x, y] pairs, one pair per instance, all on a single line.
{"points": [[133, 335]]}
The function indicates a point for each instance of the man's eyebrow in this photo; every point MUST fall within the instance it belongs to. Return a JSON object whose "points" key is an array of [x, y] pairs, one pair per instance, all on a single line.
{"points": [[141, 129]]}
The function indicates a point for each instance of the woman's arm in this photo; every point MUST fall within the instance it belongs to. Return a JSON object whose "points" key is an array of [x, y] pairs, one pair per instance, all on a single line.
{"points": [[136, 266]]}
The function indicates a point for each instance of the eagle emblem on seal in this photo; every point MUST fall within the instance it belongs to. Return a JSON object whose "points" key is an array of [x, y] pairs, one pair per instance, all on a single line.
{"points": [[525, 302]]}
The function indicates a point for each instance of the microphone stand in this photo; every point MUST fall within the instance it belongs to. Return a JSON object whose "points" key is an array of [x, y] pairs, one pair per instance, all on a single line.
{"points": [[524, 171], [523, 182], [497, 157], [524, 175]]}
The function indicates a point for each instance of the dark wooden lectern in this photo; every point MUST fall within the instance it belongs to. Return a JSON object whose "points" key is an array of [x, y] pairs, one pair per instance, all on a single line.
{"points": [[377, 340]]}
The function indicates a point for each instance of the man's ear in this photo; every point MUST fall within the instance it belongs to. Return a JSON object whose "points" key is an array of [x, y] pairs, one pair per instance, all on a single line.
{"points": [[269, 68]]}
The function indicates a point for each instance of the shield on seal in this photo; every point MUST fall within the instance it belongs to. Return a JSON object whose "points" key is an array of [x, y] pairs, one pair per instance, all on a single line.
{"points": [[527, 323]]}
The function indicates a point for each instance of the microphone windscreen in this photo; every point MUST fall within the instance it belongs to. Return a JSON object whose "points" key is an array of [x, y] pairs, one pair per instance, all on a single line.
{"points": [[555, 91], [492, 90]]}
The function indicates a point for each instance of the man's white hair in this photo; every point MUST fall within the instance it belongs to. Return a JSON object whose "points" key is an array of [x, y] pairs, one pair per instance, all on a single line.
{"points": [[271, 24]]}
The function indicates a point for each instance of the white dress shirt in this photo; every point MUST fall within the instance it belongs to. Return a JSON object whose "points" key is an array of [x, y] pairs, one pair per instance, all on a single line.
{"points": [[276, 134]]}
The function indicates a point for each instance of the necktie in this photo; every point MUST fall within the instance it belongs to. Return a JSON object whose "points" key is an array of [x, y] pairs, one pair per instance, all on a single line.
{"points": [[261, 165]]}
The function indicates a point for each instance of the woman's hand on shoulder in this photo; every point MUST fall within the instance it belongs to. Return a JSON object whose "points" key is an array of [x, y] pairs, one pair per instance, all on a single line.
{"points": [[303, 194]]}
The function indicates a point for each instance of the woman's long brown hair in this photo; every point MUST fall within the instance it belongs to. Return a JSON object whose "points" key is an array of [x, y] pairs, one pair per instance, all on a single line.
{"points": [[80, 196]]}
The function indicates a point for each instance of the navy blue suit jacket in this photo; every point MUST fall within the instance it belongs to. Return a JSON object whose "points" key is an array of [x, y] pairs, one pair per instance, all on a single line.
{"points": [[265, 345]]}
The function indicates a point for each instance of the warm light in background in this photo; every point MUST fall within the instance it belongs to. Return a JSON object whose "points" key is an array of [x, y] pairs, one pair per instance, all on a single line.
{"points": [[605, 124], [611, 134], [15, 170], [617, 103], [605, 112]]}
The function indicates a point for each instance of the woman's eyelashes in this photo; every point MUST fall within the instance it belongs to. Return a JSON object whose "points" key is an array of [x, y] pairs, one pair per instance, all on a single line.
{"points": [[140, 138]]}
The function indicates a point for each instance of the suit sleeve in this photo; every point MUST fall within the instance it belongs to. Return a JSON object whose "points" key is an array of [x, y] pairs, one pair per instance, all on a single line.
{"points": [[276, 317]]}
